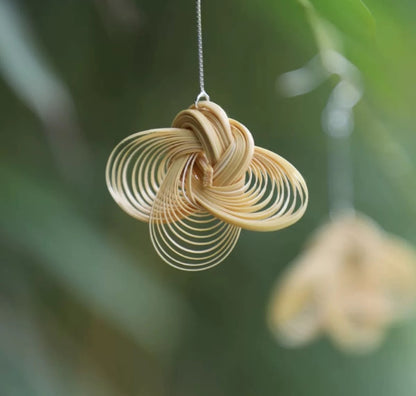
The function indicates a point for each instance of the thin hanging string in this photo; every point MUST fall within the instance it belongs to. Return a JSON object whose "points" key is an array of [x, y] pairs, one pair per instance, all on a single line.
{"points": [[338, 123], [202, 94], [340, 176]]}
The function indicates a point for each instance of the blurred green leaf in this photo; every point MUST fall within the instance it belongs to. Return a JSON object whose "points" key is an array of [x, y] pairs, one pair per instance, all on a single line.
{"points": [[89, 263], [351, 17]]}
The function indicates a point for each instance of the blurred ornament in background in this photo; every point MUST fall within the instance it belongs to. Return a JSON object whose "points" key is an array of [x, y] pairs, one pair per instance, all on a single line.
{"points": [[353, 280], [351, 283]]}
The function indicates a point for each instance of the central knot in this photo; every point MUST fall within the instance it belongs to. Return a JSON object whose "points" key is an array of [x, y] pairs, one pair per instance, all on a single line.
{"points": [[227, 146]]}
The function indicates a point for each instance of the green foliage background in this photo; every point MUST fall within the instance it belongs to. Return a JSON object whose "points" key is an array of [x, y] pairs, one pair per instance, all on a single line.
{"points": [[86, 306]]}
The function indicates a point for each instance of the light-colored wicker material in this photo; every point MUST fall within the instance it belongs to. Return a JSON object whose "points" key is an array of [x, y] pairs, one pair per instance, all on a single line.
{"points": [[199, 182], [351, 283]]}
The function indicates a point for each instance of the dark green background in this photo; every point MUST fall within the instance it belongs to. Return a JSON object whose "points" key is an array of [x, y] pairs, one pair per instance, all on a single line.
{"points": [[86, 305]]}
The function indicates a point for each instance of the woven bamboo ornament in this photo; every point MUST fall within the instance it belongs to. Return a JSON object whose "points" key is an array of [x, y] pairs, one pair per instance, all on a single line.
{"points": [[200, 182], [351, 283], [353, 280]]}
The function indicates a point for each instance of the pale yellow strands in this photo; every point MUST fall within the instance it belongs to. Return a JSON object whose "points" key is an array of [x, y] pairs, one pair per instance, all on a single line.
{"points": [[199, 182], [351, 283]]}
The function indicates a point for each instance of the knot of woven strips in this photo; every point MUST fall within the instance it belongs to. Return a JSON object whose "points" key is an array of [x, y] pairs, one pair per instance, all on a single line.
{"points": [[227, 147]]}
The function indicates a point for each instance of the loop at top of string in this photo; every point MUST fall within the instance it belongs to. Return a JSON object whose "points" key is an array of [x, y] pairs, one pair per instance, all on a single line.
{"points": [[201, 96]]}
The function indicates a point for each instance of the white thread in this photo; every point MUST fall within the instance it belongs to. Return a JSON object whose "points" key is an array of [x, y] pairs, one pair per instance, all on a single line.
{"points": [[202, 94]]}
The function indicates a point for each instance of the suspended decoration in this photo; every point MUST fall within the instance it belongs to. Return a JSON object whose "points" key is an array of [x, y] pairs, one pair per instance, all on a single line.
{"points": [[201, 181], [353, 280]]}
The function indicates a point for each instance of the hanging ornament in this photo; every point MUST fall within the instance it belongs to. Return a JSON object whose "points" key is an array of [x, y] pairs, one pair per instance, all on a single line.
{"points": [[199, 182], [352, 281]]}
